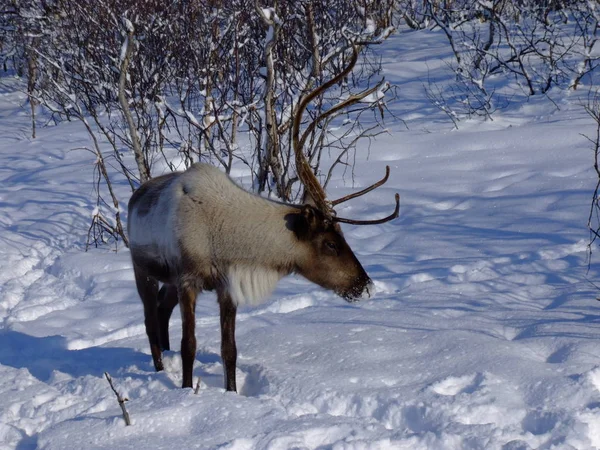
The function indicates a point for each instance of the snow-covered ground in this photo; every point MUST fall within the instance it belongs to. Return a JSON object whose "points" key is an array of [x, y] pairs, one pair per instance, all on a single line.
{"points": [[484, 332]]}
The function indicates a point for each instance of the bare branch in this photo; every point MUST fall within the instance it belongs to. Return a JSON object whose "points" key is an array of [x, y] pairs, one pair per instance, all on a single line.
{"points": [[137, 149], [120, 399]]}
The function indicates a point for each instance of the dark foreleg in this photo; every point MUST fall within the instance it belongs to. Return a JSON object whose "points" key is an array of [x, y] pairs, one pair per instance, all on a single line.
{"points": [[148, 289], [187, 304], [228, 348], [167, 300]]}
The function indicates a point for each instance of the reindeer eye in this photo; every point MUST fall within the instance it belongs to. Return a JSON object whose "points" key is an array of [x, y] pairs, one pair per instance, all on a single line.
{"points": [[330, 245]]}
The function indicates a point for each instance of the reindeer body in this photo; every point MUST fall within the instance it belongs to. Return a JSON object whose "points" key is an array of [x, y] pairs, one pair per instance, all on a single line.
{"points": [[200, 223], [197, 230]]}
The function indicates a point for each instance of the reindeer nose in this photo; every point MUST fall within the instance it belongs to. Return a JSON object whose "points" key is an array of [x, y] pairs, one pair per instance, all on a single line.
{"points": [[369, 290]]}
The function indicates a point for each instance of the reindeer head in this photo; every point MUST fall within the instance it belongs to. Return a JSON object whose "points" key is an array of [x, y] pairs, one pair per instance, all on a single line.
{"points": [[332, 264]]}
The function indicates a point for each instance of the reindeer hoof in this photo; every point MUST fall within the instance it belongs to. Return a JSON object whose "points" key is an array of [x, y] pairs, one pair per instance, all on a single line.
{"points": [[158, 365]]}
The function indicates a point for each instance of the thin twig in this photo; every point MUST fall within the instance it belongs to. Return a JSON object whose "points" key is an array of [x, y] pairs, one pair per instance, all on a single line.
{"points": [[120, 399]]}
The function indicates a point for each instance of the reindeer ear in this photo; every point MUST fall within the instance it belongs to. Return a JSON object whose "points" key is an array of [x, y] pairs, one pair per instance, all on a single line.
{"points": [[304, 223]]}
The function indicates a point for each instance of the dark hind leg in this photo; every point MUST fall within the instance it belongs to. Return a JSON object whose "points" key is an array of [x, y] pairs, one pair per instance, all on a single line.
{"points": [[167, 300], [228, 348], [187, 304], [148, 289]]}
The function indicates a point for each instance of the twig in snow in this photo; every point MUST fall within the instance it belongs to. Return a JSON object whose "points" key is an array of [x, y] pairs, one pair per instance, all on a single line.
{"points": [[197, 386], [120, 399]]}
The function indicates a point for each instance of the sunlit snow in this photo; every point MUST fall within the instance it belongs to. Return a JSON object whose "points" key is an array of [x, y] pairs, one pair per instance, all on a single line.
{"points": [[483, 333]]}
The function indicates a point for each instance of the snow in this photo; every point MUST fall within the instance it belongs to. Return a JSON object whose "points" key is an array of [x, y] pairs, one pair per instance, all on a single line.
{"points": [[483, 332]]}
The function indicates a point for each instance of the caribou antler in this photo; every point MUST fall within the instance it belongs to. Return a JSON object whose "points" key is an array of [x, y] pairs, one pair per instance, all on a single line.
{"points": [[305, 173], [364, 191], [374, 221]]}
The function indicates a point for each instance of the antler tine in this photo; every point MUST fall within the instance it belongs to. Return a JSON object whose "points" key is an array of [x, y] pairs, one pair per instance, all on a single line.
{"points": [[364, 191], [375, 221], [305, 173]]}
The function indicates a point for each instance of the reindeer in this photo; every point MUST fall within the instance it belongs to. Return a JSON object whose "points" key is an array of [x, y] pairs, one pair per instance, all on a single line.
{"points": [[198, 231]]}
